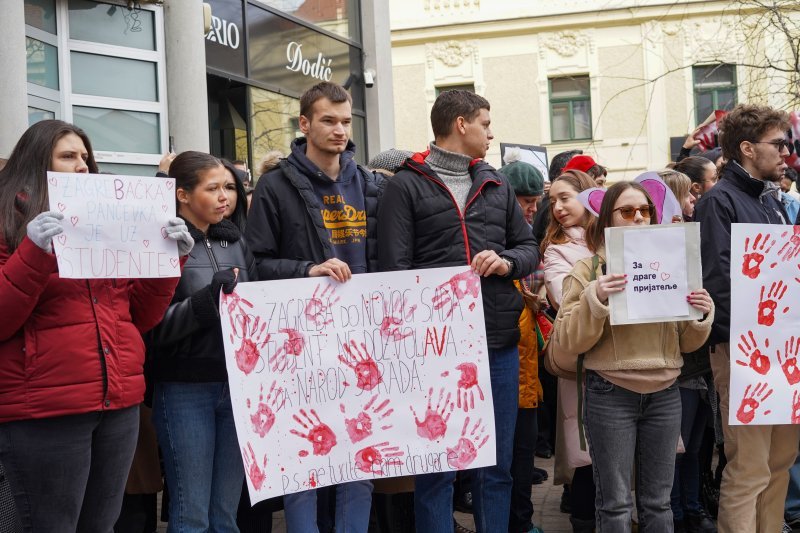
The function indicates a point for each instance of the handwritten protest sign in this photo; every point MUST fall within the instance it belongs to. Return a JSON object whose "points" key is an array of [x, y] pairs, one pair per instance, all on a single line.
{"points": [[114, 226], [663, 266], [385, 375], [765, 324]]}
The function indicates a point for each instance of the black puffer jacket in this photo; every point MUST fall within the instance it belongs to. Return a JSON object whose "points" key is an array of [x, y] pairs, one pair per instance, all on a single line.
{"points": [[420, 226], [187, 344], [736, 198], [285, 230]]}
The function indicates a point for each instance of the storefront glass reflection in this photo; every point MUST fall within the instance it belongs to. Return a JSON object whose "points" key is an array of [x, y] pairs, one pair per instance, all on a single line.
{"points": [[273, 123], [336, 16]]}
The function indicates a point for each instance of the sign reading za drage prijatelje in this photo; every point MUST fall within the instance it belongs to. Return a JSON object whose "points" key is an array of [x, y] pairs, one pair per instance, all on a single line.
{"points": [[385, 375], [114, 226]]}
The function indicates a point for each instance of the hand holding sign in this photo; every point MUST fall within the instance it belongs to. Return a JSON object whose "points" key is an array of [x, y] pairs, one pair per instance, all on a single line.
{"points": [[44, 227]]}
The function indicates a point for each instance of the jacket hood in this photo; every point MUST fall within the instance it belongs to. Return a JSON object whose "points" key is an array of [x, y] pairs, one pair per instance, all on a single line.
{"points": [[347, 165]]}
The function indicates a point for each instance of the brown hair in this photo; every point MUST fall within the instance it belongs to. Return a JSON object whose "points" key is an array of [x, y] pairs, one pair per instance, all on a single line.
{"points": [[595, 234], [332, 91], [748, 122], [186, 169], [694, 167], [450, 105], [555, 234]]}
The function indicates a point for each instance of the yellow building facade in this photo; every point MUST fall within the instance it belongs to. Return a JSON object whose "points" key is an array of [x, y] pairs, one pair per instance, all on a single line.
{"points": [[617, 79]]}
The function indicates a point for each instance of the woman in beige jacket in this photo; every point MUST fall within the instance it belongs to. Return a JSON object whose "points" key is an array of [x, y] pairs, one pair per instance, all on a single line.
{"points": [[632, 408]]}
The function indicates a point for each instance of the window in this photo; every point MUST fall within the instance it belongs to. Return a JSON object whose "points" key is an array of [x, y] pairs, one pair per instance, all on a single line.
{"points": [[714, 88], [464, 87], [570, 109], [100, 65]]}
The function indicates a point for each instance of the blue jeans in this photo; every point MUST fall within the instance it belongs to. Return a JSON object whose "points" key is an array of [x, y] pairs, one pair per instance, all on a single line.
{"points": [[792, 508], [491, 485], [68, 473], [202, 461], [686, 485], [353, 502], [623, 426]]}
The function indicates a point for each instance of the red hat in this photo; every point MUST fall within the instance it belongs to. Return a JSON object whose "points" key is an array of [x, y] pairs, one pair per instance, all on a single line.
{"points": [[579, 162]]}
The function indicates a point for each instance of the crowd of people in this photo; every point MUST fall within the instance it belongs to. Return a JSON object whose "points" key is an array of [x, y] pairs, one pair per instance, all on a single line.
{"points": [[112, 389]]}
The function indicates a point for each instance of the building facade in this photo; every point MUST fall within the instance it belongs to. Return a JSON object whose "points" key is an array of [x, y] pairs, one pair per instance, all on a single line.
{"points": [[143, 77], [624, 81]]}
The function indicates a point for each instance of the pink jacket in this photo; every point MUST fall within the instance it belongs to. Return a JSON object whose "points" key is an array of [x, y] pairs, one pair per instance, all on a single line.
{"points": [[559, 260]]}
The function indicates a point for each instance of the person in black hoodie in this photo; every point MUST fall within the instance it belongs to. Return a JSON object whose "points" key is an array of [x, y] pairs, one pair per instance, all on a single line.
{"points": [[448, 207], [311, 216], [192, 409], [755, 478]]}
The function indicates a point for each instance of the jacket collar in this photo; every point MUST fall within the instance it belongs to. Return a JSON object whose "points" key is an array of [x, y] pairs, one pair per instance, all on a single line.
{"points": [[741, 179], [480, 171], [224, 231]]}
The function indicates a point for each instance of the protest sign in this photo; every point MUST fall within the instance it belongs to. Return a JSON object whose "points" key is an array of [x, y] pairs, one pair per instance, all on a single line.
{"points": [[663, 266], [533, 155], [765, 324], [114, 226], [385, 375]]}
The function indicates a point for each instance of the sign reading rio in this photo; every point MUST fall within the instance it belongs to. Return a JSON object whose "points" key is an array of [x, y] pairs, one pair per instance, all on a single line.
{"points": [[320, 69]]}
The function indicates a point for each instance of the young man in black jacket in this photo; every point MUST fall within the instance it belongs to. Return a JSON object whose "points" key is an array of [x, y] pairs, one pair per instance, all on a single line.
{"points": [[314, 215], [756, 476], [448, 207]]}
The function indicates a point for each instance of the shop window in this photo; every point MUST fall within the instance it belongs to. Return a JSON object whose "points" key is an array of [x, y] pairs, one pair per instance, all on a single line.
{"points": [[100, 65], [273, 122], [340, 17], [570, 109], [714, 88], [464, 87]]}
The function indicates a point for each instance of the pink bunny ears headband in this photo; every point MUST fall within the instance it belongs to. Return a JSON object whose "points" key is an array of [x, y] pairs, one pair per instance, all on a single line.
{"points": [[667, 206]]}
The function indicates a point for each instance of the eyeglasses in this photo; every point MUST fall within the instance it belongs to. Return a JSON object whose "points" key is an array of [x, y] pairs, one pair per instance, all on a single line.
{"points": [[629, 212], [779, 144]]}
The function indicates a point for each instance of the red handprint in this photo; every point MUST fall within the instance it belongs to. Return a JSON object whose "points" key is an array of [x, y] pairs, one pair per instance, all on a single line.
{"points": [[253, 341], [320, 435], [466, 450], [754, 256], [286, 354], [766, 307], [360, 427], [254, 472], [758, 361], [466, 383], [796, 407], [368, 376], [264, 417], [449, 293], [372, 459], [789, 366], [235, 305], [434, 425], [318, 307], [751, 402], [790, 248], [394, 318]]}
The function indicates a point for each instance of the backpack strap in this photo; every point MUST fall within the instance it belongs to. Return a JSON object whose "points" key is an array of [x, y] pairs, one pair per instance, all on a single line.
{"points": [[579, 374]]}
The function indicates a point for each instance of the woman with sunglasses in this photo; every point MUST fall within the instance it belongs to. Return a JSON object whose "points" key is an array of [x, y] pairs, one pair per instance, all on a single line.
{"points": [[632, 408]]}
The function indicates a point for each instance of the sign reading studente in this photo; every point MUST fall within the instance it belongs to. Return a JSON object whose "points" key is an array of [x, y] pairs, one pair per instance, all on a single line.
{"points": [[385, 375], [114, 226], [765, 324], [663, 266]]}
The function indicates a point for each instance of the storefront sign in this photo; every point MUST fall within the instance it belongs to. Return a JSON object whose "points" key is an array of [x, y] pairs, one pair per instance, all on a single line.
{"points": [[224, 32], [320, 69], [226, 38]]}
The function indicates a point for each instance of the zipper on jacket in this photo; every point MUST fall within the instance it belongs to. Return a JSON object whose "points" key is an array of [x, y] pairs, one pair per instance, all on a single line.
{"points": [[101, 349], [214, 265]]}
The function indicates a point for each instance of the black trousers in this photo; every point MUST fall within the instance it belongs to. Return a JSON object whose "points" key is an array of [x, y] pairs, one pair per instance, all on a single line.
{"points": [[521, 518]]}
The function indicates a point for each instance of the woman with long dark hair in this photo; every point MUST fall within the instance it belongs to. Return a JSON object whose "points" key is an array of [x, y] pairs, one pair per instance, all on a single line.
{"points": [[71, 351]]}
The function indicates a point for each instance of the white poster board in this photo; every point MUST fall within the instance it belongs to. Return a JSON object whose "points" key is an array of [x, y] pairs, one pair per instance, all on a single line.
{"points": [[765, 324], [385, 375], [114, 226], [663, 266], [531, 154]]}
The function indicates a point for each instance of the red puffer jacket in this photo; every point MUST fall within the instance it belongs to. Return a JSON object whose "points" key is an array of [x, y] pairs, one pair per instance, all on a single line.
{"points": [[71, 346]]}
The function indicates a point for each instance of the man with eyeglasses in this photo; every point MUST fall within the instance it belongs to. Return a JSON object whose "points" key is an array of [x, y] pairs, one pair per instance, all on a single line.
{"points": [[755, 478]]}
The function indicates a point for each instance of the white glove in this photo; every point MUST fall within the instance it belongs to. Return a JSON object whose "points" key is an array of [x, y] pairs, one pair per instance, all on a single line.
{"points": [[177, 231], [44, 227]]}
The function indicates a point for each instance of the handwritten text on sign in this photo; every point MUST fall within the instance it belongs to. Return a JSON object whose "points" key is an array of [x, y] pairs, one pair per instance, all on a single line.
{"points": [[385, 375], [114, 226], [765, 324]]}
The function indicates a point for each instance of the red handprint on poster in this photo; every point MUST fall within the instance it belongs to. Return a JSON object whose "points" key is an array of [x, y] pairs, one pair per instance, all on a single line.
{"points": [[394, 318], [359, 360], [254, 471], [791, 247], [465, 451], [320, 435], [434, 425], [754, 255], [789, 360], [285, 357], [752, 401], [757, 360], [796, 407], [467, 385], [318, 307], [449, 293], [237, 313], [253, 341], [767, 305], [372, 459], [264, 416], [360, 427]]}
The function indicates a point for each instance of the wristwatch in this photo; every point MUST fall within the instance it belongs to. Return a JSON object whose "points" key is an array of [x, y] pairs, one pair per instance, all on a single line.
{"points": [[510, 264]]}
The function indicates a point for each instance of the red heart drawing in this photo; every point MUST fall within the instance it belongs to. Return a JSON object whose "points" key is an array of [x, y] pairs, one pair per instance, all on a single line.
{"points": [[655, 265], [664, 276], [74, 221], [164, 207], [62, 238], [61, 207], [146, 243], [163, 232], [174, 261], [170, 183], [52, 180]]}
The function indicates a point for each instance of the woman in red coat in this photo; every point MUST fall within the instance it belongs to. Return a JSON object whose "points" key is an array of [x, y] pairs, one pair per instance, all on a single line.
{"points": [[71, 351]]}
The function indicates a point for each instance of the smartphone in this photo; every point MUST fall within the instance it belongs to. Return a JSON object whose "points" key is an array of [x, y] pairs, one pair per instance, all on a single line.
{"points": [[171, 143]]}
